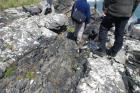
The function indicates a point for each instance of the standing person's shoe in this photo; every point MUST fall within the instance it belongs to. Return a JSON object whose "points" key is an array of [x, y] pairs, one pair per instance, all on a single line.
{"points": [[100, 52], [111, 53], [80, 44]]}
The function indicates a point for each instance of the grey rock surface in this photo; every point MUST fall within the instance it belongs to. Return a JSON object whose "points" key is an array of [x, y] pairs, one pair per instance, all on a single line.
{"points": [[118, 74], [62, 5], [22, 35], [34, 58], [58, 6], [102, 78], [121, 57], [135, 33], [1, 73], [7, 16], [133, 65], [50, 68]]}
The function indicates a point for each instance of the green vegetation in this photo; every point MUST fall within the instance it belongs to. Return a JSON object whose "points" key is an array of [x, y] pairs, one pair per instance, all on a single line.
{"points": [[15, 3], [19, 77], [70, 29], [9, 46], [10, 71], [30, 75]]}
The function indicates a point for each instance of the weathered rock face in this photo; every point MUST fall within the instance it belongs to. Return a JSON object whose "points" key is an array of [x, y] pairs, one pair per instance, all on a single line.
{"points": [[104, 77], [9, 15], [22, 35], [133, 65], [59, 6], [133, 28], [42, 61], [135, 32], [113, 75], [39, 60], [52, 67], [118, 74], [62, 5]]}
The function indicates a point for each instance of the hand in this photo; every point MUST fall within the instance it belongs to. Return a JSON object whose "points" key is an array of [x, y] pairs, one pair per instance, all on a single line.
{"points": [[105, 11]]}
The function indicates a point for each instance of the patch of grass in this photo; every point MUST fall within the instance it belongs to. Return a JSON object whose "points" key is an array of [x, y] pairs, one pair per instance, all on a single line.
{"points": [[19, 78], [70, 29], [69, 14], [15, 3], [30, 75], [9, 46], [10, 71]]}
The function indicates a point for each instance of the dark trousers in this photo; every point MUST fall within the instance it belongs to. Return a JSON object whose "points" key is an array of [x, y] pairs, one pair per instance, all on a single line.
{"points": [[105, 26]]}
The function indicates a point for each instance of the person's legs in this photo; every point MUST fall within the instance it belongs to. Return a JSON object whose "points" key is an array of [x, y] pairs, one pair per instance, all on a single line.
{"points": [[79, 29], [50, 5], [106, 24], [50, 2], [80, 32], [120, 24]]}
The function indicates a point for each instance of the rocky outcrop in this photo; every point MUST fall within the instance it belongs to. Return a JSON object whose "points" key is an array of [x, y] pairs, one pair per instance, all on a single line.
{"points": [[104, 77], [135, 33], [118, 74], [62, 5], [51, 67], [22, 35], [133, 65], [59, 6], [9, 15], [37, 57]]}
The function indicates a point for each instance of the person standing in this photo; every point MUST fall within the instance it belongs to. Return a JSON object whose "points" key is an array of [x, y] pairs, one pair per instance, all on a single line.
{"points": [[116, 12], [83, 6]]}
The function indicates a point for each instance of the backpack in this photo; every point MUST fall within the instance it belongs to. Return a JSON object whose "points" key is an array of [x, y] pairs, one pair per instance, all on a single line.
{"points": [[78, 16]]}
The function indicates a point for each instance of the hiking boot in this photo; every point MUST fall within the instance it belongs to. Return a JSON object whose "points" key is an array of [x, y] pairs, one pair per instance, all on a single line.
{"points": [[100, 52], [111, 53]]}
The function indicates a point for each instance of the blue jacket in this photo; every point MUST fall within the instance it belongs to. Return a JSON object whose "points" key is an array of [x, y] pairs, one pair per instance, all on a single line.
{"points": [[84, 7]]}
